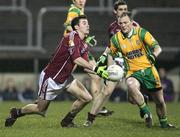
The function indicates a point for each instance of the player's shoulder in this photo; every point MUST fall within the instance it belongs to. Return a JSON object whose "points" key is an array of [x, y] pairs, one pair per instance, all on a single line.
{"points": [[115, 35], [114, 23], [141, 30], [75, 9], [72, 35], [135, 24]]}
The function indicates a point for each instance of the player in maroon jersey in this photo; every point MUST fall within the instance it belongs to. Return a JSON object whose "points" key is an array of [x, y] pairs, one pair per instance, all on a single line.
{"points": [[71, 51], [120, 6]]}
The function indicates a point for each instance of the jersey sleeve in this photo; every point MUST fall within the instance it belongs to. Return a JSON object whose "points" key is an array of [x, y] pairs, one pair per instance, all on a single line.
{"points": [[85, 56], [148, 39], [113, 46], [73, 47], [109, 32]]}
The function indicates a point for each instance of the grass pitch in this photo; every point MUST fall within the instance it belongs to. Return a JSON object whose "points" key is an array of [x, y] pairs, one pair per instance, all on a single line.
{"points": [[125, 122]]}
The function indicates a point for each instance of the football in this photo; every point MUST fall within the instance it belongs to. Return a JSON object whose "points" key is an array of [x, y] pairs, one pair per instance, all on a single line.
{"points": [[115, 72]]}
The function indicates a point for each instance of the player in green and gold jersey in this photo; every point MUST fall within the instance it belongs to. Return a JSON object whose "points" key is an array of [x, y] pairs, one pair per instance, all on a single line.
{"points": [[139, 50], [76, 9]]}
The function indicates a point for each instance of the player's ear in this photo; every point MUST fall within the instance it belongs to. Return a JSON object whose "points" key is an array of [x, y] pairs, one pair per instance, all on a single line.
{"points": [[76, 27]]}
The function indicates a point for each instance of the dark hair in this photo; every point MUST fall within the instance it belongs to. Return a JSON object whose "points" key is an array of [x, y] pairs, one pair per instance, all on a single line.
{"points": [[126, 14], [118, 3], [75, 21]]}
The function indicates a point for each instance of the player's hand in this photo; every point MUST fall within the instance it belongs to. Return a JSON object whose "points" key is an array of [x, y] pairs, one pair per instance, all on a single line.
{"points": [[100, 71], [102, 61], [152, 58], [91, 41]]}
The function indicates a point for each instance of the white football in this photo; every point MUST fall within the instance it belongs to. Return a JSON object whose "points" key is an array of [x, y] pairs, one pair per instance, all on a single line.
{"points": [[115, 72]]}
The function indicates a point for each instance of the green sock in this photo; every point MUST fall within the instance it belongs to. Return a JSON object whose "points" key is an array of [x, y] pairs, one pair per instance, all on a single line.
{"points": [[144, 108], [163, 122]]}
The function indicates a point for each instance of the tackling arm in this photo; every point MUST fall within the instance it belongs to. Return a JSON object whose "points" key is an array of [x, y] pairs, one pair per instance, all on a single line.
{"points": [[92, 69], [82, 62]]}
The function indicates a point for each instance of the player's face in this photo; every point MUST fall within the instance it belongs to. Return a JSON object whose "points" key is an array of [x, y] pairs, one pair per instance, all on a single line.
{"points": [[121, 9], [83, 26], [125, 24], [80, 3]]}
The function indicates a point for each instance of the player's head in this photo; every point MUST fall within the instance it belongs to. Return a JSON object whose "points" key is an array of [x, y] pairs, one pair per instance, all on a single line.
{"points": [[80, 24], [125, 22], [120, 6], [79, 3]]}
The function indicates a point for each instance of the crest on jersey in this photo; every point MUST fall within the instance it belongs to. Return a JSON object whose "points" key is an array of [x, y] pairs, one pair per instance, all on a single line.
{"points": [[71, 49], [71, 43], [138, 42]]}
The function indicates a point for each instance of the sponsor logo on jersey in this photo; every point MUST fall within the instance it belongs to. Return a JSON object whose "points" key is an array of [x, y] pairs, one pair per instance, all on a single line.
{"points": [[134, 54], [82, 51]]}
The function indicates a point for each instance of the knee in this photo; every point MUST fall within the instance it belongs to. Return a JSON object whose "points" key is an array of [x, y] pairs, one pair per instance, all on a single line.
{"points": [[107, 91], [131, 84], [88, 98], [95, 78]]}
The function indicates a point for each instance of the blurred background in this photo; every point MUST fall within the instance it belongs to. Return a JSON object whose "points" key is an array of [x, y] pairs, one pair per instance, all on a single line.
{"points": [[30, 30]]}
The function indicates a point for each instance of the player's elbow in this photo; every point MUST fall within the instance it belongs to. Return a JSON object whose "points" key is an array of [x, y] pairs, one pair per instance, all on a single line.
{"points": [[160, 49], [157, 51]]}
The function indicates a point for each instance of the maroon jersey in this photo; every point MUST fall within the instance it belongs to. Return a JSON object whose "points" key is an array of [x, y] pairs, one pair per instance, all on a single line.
{"points": [[61, 64], [114, 28]]}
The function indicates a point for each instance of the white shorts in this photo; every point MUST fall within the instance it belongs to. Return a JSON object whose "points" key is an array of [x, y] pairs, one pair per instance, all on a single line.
{"points": [[49, 89]]}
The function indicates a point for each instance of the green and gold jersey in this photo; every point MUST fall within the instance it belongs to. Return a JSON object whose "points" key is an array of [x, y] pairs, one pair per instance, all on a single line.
{"points": [[72, 13], [135, 49]]}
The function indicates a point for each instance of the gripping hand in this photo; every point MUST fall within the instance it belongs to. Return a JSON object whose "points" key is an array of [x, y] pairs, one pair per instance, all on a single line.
{"points": [[100, 71], [91, 41], [102, 61]]}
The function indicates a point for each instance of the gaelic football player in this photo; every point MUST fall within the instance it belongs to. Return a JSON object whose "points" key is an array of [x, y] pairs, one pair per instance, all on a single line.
{"points": [[57, 76], [139, 50], [76, 9]]}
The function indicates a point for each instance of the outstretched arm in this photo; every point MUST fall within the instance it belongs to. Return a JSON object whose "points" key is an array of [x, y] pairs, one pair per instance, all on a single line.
{"points": [[83, 63], [92, 69]]}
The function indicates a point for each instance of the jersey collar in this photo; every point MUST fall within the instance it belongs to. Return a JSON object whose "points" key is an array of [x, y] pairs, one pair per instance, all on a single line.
{"points": [[130, 34]]}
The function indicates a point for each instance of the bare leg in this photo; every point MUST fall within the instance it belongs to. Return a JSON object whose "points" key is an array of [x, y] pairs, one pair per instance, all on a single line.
{"points": [[160, 103], [102, 97], [95, 82], [38, 108], [78, 90], [99, 102], [161, 108], [134, 91]]}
